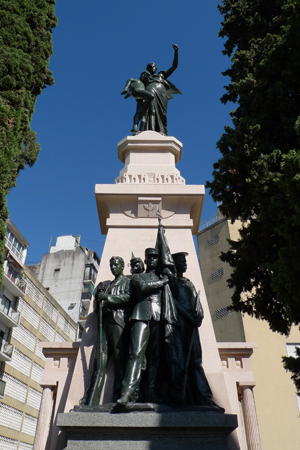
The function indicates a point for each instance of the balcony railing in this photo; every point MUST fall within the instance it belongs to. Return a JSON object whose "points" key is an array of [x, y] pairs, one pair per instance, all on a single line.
{"points": [[86, 303], [86, 295], [21, 283], [16, 284], [13, 249], [6, 350], [211, 220], [82, 318], [10, 318], [208, 222]]}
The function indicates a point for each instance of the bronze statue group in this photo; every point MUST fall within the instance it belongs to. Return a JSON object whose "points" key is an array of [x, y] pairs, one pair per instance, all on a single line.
{"points": [[148, 324], [152, 92]]}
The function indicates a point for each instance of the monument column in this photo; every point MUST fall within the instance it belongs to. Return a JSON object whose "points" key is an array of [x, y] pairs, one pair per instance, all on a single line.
{"points": [[249, 413], [44, 419]]}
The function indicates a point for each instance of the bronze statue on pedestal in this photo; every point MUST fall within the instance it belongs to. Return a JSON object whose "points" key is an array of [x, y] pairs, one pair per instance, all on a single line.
{"points": [[149, 325], [152, 92]]}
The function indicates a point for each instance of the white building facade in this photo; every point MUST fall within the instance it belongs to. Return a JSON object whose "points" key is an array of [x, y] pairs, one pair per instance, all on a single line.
{"points": [[69, 273]]}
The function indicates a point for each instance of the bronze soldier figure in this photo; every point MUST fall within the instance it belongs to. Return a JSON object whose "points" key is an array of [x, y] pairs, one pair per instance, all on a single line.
{"points": [[136, 265], [146, 332], [194, 387], [112, 306]]}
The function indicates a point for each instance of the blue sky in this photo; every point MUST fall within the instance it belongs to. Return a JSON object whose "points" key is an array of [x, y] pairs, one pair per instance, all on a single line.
{"points": [[79, 121]]}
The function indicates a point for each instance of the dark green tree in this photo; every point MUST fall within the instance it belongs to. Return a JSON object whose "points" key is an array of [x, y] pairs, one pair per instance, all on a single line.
{"points": [[257, 178], [25, 49]]}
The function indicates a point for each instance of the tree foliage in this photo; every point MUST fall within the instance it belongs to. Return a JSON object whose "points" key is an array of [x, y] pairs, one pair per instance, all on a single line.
{"points": [[257, 178], [25, 49]]}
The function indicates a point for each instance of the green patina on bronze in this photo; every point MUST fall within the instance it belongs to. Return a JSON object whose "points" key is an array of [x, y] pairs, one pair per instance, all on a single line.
{"points": [[111, 304], [149, 327], [152, 92]]}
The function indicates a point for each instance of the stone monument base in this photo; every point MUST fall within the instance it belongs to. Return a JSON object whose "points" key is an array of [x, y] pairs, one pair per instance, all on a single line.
{"points": [[100, 429]]}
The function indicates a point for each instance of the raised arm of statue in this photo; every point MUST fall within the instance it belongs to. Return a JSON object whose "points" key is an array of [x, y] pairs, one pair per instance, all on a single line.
{"points": [[175, 62], [122, 296], [146, 286]]}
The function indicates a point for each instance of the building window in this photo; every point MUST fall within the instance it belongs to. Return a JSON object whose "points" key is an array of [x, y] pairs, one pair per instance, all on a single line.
{"points": [[87, 292], [12, 274], [14, 244], [5, 304], [90, 273]]}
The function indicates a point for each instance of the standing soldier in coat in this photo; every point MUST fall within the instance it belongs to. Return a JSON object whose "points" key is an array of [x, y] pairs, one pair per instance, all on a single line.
{"points": [[113, 309], [146, 332], [194, 386]]}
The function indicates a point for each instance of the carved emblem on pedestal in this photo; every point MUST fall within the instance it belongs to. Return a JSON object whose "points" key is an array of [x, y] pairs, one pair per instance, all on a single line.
{"points": [[148, 206]]}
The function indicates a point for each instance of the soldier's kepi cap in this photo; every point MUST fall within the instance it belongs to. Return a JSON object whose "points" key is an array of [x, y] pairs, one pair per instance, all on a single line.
{"points": [[135, 259], [151, 251], [178, 255]]}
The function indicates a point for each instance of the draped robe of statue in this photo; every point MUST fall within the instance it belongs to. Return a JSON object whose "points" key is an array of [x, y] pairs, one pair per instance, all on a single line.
{"points": [[162, 91]]}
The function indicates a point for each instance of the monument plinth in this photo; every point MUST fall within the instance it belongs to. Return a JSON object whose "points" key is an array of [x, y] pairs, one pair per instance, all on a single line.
{"points": [[150, 158], [147, 431]]}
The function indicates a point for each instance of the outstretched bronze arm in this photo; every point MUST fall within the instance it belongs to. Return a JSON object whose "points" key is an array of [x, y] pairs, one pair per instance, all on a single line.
{"points": [[148, 286], [175, 62]]}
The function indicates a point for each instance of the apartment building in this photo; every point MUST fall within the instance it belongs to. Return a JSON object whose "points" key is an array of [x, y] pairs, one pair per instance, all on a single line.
{"points": [[29, 314], [277, 405]]}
